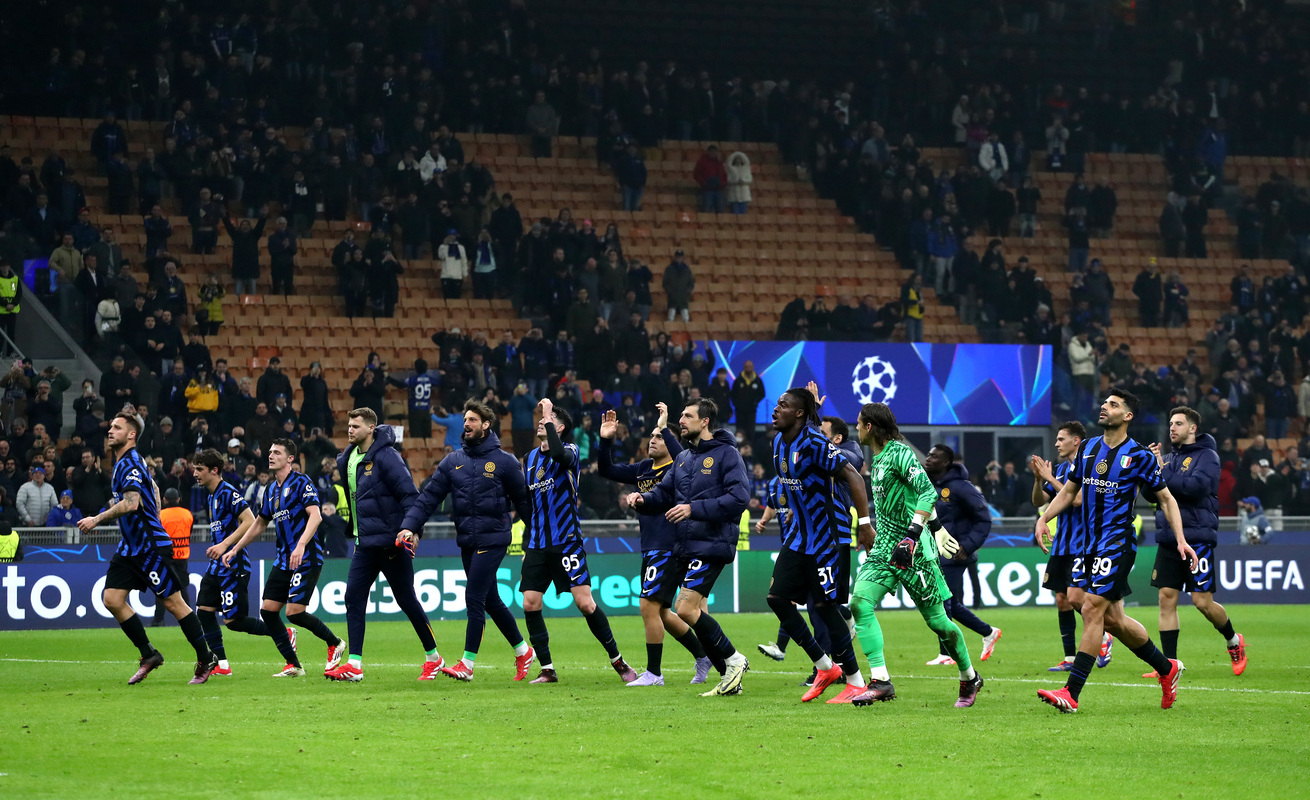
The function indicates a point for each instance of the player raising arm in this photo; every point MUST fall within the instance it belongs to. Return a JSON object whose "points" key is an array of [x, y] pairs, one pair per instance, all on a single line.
{"points": [[658, 537], [1109, 469]]}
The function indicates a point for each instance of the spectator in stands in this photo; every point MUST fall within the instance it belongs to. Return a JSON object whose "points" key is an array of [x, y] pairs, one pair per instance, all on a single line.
{"points": [[1175, 302], [1280, 406], [1083, 368], [1149, 288], [1194, 217], [912, 308], [282, 249], [543, 125], [454, 265], [1225, 424], [993, 158], [1099, 291], [35, 498], [747, 393], [107, 139], [1102, 205], [158, 230], [679, 283], [273, 382], [205, 220], [740, 178], [712, 179], [1079, 244]]}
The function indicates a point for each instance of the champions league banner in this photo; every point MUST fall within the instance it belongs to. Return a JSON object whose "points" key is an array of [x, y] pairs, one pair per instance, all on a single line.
{"points": [[925, 384], [68, 595]]}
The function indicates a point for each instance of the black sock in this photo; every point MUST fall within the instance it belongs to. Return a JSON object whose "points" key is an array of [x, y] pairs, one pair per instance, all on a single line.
{"points": [[790, 620], [213, 633], [250, 625], [712, 636], [539, 636], [654, 654], [314, 625], [1068, 624], [689, 641], [843, 649], [1082, 667], [136, 634], [600, 628], [1152, 655], [196, 636], [278, 633], [1169, 643], [1225, 630], [784, 639]]}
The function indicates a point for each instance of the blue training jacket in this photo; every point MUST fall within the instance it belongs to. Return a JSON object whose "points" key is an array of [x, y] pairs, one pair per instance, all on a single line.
{"points": [[962, 510], [486, 483], [712, 479], [657, 533], [1192, 475], [384, 490]]}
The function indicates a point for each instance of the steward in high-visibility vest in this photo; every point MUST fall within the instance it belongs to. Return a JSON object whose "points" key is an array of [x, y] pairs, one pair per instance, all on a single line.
{"points": [[177, 523]]}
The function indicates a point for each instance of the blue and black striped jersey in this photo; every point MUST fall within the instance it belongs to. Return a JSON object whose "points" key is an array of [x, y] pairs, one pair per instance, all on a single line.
{"points": [[226, 505], [806, 468], [776, 500], [1109, 477], [142, 530], [553, 493], [1069, 539], [286, 505]]}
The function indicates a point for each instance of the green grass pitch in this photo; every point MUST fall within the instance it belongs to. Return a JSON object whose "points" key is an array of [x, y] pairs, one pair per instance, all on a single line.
{"points": [[70, 727]]}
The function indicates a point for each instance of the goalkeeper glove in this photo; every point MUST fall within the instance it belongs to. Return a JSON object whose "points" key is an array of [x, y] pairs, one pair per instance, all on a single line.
{"points": [[903, 554], [947, 546]]}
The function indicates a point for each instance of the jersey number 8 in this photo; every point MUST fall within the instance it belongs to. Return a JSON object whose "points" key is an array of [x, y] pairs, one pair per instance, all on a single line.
{"points": [[154, 577]]}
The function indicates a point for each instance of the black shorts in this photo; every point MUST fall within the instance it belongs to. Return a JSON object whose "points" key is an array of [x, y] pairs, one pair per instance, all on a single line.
{"points": [[155, 571], [565, 566], [803, 578], [285, 586], [1105, 573], [659, 569], [1172, 572], [227, 593], [693, 574], [1058, 569]]}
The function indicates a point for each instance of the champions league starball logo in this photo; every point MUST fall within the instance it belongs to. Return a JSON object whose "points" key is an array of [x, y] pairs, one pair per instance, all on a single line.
{"points": [[873, 381]]}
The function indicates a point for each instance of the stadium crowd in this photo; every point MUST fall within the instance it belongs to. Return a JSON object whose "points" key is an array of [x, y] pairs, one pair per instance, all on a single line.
{"points": [[383, 100]]}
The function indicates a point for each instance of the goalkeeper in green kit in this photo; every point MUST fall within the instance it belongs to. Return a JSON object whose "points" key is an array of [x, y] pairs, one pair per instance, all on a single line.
{"points": [[902, 552]]}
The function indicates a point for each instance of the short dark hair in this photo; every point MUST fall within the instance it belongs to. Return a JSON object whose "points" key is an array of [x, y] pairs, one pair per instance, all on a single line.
{"points": [[879, 416], [706, 409], [839, 427], [1129, 399], [563, 417], [483, 411], [950, 453], [209, 458], [368, 415], [1074, 427], [132, 420], [288, 446], [809, 407], [1192, 416]]}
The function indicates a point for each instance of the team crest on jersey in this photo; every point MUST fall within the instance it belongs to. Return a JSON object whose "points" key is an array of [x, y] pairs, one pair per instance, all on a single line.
{"points": [[784, 467], [946, 493], [541, 473], [490, 467], [1187, 462], [1125, 461], [368, 467], [708, 462], [782, 499], [1101, 467]]}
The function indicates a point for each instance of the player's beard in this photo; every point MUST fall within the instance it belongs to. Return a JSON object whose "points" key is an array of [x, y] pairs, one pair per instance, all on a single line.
{"points": [[474, 439]]}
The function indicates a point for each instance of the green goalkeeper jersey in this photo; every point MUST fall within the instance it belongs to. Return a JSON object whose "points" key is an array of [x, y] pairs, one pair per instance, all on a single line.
{"points": [[900, 488]]}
